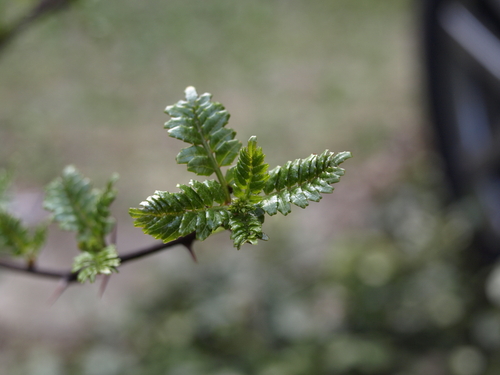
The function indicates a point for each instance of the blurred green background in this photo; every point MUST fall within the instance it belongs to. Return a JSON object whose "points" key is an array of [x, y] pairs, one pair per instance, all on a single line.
{"points": [[370, 281]]}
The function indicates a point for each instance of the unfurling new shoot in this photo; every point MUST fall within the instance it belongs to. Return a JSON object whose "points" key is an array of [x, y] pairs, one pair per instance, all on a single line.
{"points": [[239, 199]]}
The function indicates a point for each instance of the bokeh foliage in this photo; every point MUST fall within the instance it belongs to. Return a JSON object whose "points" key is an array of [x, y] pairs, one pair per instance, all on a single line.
{"points": [[401, 298]]}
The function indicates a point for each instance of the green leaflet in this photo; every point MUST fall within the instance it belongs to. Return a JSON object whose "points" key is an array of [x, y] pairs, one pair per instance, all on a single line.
{"points": [[78, 207], [18, 239], [246, 224], [301, 181], [249, 175], [196, 208], [89, 264], [201, 122]]}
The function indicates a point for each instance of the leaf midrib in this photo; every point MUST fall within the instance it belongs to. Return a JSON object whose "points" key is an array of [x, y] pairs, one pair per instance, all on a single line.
{"points": [[211, 157]]}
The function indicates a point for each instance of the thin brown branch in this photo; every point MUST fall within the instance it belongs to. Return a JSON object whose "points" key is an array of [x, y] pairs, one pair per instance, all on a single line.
{"points": [[70, 277], [32, 269], [186, 241]]}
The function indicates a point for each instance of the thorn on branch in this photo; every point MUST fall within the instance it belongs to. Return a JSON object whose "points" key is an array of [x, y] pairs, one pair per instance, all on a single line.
{"points": [[104, 284], [189, 248], [60, 289]]}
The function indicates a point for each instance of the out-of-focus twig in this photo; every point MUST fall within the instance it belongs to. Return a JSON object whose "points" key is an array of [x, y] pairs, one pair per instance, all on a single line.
{"points": [[70, 277], [42, 9]]}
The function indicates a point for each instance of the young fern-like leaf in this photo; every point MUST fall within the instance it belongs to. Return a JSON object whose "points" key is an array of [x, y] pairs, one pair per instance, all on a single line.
{"points": [[90, 264], [15, 238], [78, 207], [203, 207], [18, 240], [249, 175], [196, 208], [301, 181], [201, 122]]}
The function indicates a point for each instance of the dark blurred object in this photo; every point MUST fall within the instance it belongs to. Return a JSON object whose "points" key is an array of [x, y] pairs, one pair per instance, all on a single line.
{"points": [[462, 61]]}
